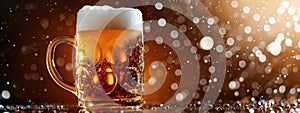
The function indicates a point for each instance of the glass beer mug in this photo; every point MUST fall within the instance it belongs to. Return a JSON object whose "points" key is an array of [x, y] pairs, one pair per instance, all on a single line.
{"points": [[108, 58]]}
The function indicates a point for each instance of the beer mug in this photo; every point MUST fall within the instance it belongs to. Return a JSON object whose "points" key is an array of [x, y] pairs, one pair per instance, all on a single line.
{"points": [[108, 58]]}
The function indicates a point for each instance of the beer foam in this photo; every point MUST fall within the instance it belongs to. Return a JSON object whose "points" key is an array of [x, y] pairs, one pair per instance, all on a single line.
{"points": [[107, 17]]}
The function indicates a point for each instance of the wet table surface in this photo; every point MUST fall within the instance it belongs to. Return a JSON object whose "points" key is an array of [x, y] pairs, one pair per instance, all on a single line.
{"points": [[190, 108]]}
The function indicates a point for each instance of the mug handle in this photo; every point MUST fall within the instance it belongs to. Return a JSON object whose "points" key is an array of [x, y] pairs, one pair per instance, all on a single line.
{"points": [[51, 64]]}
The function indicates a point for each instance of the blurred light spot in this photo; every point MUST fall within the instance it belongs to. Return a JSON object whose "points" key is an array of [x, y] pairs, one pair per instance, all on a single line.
{"points": [[176, 43], [282, 89], [33, 67], [256, 17], [247, 29], [44, 23], [242, 64], [234, 4], [210, 21], [230, 41], [206, 43], [69, 66], [179, 97], [60, 61], [152, 81], [174, 34], [246, 9], [159, 40], [196, 20], [5, 94], [178, 72], [162, 22], [174, 86], [158, 6], [233, 85]]}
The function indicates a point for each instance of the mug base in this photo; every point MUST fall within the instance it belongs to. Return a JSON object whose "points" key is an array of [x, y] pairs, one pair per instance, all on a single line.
{"points": [[110, 106]]}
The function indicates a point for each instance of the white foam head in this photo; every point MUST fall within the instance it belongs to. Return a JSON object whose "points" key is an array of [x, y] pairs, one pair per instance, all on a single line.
{"points": [[106, 17]]}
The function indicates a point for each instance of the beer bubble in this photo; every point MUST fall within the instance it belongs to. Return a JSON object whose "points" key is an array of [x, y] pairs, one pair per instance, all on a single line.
{"points": [[206, 43], [174, 86], [45, 90], [33, 67], [5, 94], [159, 40], [162, 22], [69, 66], [60, 61], [44, 23], [158, 6]]}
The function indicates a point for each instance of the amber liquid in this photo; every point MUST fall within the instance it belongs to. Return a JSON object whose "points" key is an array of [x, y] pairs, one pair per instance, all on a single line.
{"points": [[109, 63]]}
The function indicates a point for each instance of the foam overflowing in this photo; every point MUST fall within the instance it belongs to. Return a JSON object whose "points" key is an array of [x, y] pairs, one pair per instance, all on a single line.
{"points": [[106, 17]]}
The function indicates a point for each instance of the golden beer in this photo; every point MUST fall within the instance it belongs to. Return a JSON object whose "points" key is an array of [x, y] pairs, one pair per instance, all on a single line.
{"points": [[118, 66]]}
